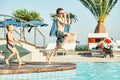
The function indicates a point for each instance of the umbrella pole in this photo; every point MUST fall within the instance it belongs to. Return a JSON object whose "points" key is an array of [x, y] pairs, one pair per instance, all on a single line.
{"points": [[42, 35], [34, 35], [21, 31]]}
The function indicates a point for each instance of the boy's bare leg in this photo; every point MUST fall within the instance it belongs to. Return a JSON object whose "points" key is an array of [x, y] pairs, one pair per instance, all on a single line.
{"points": [[18, 58], [65, 39], [14, 51], [7, 61], [10, 56], [52, 53]]}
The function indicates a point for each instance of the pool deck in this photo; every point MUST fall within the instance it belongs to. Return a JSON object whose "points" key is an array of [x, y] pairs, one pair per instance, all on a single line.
{"points": [[79, 58], [31, 67], [58, 63]]}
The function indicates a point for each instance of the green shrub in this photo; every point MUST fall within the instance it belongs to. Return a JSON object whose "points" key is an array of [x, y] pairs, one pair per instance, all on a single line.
{"points": [[82, 48]]}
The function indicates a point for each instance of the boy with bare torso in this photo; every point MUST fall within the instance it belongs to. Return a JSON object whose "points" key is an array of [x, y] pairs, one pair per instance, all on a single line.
{"points": [[11, 40], [62, 20]]}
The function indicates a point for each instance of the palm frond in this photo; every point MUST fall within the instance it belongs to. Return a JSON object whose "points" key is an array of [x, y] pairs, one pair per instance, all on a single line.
{"points": [[99, 8], [27, 15], [111, 5], [105, 5], [94, 8], [73, 17]]}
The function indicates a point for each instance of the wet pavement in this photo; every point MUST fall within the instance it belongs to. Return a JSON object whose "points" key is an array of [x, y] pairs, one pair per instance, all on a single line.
{"points": [[30, 67]]}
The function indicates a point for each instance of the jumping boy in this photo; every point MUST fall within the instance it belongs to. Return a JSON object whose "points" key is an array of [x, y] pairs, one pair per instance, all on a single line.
{"points": [[62, 20]]}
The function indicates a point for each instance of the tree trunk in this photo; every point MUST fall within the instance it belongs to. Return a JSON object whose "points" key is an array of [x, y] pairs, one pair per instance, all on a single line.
{"points": [[100, 28]]}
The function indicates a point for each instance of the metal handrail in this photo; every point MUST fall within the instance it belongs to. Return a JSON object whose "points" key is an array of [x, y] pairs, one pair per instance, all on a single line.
{"points": [[42, 35], [21, 20]]}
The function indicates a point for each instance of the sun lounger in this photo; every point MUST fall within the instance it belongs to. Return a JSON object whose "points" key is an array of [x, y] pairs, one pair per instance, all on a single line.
{"points": [[67, 48]]}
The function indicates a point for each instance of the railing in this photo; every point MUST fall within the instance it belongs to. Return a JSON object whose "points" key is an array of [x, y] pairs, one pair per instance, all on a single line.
{"points": [[22, 33]]}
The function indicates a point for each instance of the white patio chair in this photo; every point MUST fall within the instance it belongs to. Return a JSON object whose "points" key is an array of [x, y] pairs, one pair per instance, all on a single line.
{"points": [[67, 48]]}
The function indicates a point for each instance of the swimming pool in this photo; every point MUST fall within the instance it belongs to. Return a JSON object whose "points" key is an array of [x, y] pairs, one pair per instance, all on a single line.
{"points": [[84, 71]]}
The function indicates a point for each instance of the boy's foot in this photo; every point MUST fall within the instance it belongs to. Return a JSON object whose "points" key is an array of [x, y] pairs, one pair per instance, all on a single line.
{"points": [[47, 58], [7, 62], [49, 61], [21, 63]]}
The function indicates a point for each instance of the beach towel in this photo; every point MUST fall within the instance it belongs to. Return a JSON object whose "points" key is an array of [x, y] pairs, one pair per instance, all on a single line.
{"points": [[53, 30], [67, 28]]}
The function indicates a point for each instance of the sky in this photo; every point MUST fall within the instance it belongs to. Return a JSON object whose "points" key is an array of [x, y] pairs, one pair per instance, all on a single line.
{"points": [[86, 21]]}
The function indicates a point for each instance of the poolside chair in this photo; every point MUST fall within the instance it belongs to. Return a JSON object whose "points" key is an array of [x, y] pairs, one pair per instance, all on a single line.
{"points": [[68, 47], [94, 46], [51, 46]]}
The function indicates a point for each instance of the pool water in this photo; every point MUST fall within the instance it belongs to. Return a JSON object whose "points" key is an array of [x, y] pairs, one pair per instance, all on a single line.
{"points": [[84, 71], [97, 71]]}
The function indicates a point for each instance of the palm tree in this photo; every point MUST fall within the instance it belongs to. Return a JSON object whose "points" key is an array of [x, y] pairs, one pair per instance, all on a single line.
{"points": [[100, 9], [27, 15], [73, 17]]}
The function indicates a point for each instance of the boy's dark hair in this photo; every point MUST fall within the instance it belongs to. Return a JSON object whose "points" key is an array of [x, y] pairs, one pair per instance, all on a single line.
{"points": [[57, 11]]}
